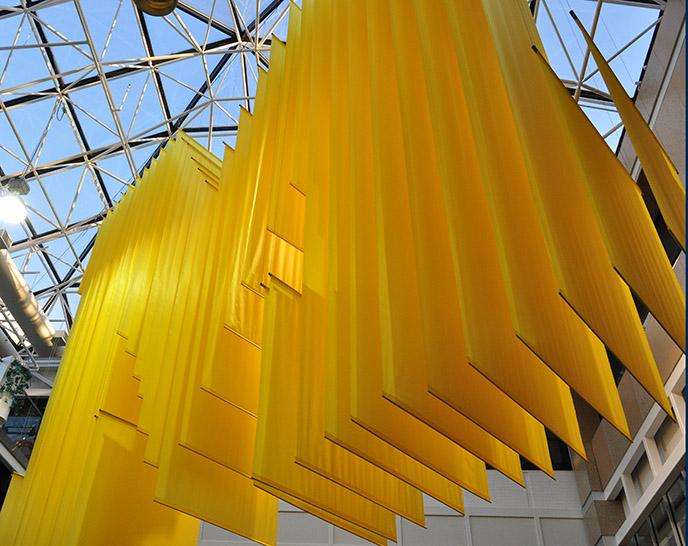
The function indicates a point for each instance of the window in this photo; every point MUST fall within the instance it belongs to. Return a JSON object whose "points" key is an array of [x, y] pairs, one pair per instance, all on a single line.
{"points": [[667, 438], [661, 521], [665, 526], [645, 536], [642, 475], [677, 502]]}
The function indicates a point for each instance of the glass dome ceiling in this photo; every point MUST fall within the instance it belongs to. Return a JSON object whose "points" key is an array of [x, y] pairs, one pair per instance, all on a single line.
{"points": [[89, 89]]}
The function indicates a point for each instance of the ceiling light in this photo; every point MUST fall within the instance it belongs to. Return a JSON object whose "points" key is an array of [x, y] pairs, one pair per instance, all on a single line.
{"points": [[12, 209], [156, 7]]}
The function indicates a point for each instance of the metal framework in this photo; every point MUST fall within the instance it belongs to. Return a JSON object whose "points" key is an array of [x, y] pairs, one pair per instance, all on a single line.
{"points": [[90, 90]]}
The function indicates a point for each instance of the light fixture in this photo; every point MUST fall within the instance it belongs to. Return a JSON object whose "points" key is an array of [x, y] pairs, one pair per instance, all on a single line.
{"points": [[156, 7], [12, 209]]}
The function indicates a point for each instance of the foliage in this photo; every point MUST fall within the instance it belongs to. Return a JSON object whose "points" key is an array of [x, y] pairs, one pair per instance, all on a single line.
{"points": [[16, 381]]}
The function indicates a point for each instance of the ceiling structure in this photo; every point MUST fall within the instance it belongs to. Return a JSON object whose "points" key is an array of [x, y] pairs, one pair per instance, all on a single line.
{"points": [[91, 89]]}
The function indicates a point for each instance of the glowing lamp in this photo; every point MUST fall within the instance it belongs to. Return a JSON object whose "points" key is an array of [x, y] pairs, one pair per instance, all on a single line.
{"points": [[12, 209]]}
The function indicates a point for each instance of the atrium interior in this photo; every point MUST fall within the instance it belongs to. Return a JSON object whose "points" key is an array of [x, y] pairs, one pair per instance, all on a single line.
{"points": [[92, 91]]}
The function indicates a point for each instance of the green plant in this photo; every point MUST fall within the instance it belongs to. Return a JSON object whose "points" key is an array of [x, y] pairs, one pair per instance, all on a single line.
{"points": [[16, 382]]}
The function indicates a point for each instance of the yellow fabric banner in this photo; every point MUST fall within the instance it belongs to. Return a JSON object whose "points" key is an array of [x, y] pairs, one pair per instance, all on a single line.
{"points": [[417, 248], [661, 172], [584, 270]]}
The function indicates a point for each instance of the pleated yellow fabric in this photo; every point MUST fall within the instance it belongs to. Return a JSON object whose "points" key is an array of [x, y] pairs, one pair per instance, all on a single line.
{"points": [[226, 457], [661, 172], [338, 426], [368, 406], [121, 464], [324, 457], [490, 341], [594, 290], [633, 244], [342, 430], [340, 465], [417, 248], [107, 453], [541, 319], [430, 231], [277, 432], [189, 478], [181, 482], [286, 213], [313, 450], [60, 485]]}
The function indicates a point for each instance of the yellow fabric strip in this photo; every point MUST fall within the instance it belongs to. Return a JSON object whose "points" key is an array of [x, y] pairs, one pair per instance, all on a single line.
{"points": [[122, 399], [540, 317], [661, 173], [634, 246], [286, 213], [218, 495], [368, 407], [313, 450], [120, 501], [305, 95], [277, 432], [584, 270], [261, 165], [418, 212], [338, 426]]}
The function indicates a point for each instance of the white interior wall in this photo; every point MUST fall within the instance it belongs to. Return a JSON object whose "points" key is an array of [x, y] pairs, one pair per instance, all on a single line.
{"points": [[545, 513]]}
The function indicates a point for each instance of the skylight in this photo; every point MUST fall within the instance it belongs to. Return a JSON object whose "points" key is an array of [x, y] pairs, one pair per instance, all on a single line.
{"points": [[91, 89]]}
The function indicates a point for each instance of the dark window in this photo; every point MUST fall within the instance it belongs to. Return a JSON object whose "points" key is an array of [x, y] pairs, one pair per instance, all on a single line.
{"points": [[559, 453], [661, 521], [645, 536], [677, 502]]}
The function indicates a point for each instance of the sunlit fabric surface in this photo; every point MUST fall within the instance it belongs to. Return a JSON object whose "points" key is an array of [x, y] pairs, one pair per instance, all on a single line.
{"points": [[661, 172], [416, 250]]}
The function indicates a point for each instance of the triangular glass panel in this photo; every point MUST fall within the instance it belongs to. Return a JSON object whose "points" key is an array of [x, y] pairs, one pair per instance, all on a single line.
{"points": [[94, 116], [30, 121], [181, 80], [63, 188]]}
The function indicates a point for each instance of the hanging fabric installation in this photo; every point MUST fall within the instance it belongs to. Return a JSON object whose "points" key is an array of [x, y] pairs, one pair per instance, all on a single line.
{"points": [[417, 249], [661, 172]]}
